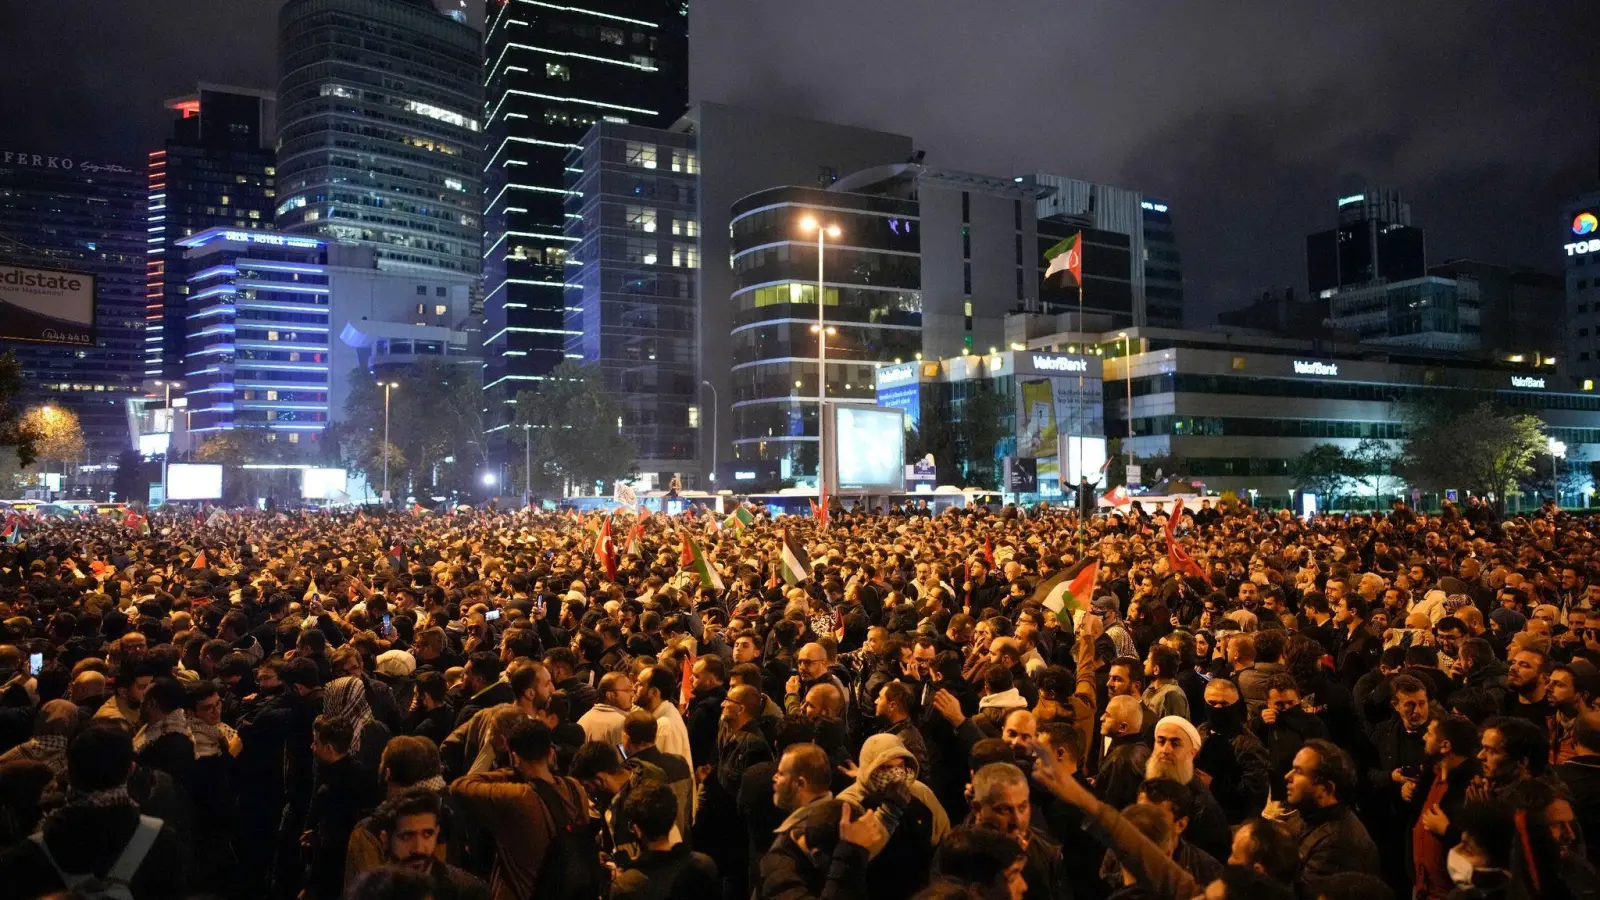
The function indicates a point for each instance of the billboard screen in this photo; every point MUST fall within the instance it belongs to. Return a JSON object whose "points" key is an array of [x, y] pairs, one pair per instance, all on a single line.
{"points": [[189, 481], [47, 306], [869, 445], [323, 484]]}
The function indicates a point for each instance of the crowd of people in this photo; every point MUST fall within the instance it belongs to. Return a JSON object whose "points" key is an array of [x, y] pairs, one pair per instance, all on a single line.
{"points": [[1019, 705]]}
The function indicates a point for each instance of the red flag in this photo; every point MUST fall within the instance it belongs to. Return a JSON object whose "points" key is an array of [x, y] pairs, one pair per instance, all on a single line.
{"points": [[1119, 496], [1177, 557], [988, 552], [686, 555], [606, 551], [687, 689], [199, 561]]}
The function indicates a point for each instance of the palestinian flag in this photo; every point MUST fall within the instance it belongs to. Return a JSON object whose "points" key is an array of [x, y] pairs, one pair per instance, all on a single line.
{"points": [[605, 550], [711, 525], [1064, 593], [635, 539], [739, 519], [796, 562], [1067, 256], [694, 558]]}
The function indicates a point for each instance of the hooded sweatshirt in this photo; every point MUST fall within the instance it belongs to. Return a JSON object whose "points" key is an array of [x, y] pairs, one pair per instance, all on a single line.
{"points": [[878, 750]]}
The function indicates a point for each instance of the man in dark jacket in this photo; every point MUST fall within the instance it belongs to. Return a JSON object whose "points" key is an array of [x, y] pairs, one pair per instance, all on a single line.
{"points": [[718, 825], [665, 869], [1284, 726], [99, 833], [1581, 775], [485, 689], [1330, 837], [705, 709], [344, 793], [823, 853], [1235, 759], [1402, 758], [409, 830], [1358, 646]]}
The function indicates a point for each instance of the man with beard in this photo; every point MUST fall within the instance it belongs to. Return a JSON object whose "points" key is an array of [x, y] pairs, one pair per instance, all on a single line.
{"points": [[1234, 759], [609, 781], [1176, 745], [1451, 744], [1573, 688], [1526, 683], [1284, 726], [1358, 646], [672, 736], [717, 825], [801, 783], [893, 709], [1000, 800], [1331, 839], [408, 830], [706, 707]]}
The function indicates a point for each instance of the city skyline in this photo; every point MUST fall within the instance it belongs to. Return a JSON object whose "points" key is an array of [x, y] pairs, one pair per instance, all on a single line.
{"points": [[1249, 133]]}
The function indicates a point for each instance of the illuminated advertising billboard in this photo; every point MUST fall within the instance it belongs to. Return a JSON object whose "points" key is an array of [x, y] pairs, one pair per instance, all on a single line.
{"points": [[189, 481], [47, 306], [867, 447]]}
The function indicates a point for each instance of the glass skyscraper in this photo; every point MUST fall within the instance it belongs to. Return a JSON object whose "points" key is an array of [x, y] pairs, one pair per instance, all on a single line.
{"points": [[216, 170], [553, 71], [379, 133], [82, 215]]}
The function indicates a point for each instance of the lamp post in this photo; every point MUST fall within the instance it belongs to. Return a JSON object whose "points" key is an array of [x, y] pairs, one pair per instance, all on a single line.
{"points": [[821, 328], [1127, 381], [527, 463], [387, 387], [1558, 450], [714, 404], [171, 426]]}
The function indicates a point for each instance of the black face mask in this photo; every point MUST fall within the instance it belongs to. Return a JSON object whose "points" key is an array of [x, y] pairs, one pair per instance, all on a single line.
{"points": [[1226, 719]]}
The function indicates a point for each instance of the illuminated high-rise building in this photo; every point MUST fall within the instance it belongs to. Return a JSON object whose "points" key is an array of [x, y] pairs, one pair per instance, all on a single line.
{"points": [[379, 133], [552, 71], [216, 170]]}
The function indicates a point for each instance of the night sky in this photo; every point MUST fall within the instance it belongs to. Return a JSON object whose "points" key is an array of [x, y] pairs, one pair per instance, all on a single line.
{"points": [[1249, 117]]}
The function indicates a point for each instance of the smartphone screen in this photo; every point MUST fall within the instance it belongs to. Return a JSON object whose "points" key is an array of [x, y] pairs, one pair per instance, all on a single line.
{"points": [[491, 615], [35, 663]]}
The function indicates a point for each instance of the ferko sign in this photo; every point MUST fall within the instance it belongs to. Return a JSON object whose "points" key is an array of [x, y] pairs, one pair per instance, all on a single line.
{"points": [[1305, 367], [64, 163], [1047, 363], [1527, 381]]}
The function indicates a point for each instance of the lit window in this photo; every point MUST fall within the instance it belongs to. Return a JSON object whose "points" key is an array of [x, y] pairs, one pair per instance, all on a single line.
{"points": [[638, 154], [272, 335], [641, 218], [441, 114], [644, 62], [454, 184], [694, 417], [611, 36], [685, 161], [294, 356], [294, 437], [440, 310], [687, 257], [557, 71]]}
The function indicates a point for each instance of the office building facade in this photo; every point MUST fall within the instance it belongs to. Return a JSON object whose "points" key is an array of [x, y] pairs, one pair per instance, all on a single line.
{"points": [[216, 170], [631, 273], [1580, 242], [380, 132], [1521, 310], [59, 211], [871, 308], [277, 323], [1372, 241], [1431, 312], [1133, 272], [551, 72]]}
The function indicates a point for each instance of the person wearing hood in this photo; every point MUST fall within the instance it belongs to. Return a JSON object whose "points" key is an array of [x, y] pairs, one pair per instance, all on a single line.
{"points": [[1235, 759], [914, 821]]}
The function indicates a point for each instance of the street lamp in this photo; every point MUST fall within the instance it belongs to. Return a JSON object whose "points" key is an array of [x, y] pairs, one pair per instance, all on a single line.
{"points": [[1558, 450], [387, 387], [1127, 381], [488, 479], [823, 232], [714, 404]]}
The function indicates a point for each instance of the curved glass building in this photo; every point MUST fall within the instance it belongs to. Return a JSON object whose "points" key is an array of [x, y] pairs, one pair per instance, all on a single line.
{"points": [[379, 138], [872, 297]]}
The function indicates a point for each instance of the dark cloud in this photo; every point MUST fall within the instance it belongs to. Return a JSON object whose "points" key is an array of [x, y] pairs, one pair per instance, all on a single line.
{"points": [[1248, 116]]}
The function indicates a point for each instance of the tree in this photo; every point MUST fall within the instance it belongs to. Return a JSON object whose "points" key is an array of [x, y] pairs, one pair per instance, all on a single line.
{"points": [[132, 481], [1372, 464], [1486, 450], [57, 436], [575, 429], [980, 431], [436, 421], [13, 436], [1323, 470], [233, 450]]}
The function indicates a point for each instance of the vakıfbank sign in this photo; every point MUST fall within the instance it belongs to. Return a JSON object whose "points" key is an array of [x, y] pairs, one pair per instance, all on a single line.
{"points": [[47, 306]]}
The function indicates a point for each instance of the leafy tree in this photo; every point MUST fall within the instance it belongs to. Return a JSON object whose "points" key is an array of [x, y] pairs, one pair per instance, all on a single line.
{"points": [[132, 481], [574, 429], [233, 449], [1372, 464], [57, 436], [12, 435], [436, 416], [1323, 470], [1486, 450]]}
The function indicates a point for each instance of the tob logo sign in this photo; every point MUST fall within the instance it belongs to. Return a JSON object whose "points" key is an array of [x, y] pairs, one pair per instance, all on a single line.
{"points": [[1585, 223]]}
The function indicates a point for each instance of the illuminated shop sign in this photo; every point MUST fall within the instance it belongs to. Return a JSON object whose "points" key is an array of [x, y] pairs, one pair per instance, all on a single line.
{"points": [[1047, 363], [1527, 381], [1304, 367]]}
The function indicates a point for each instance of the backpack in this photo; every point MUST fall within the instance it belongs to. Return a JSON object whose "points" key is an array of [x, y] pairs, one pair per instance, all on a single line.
{"points": [[571, 869], [118, 883]]}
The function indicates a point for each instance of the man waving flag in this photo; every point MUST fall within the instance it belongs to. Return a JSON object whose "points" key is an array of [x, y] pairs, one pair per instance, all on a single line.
{"points": [[796, 562], [1066, 592]]}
